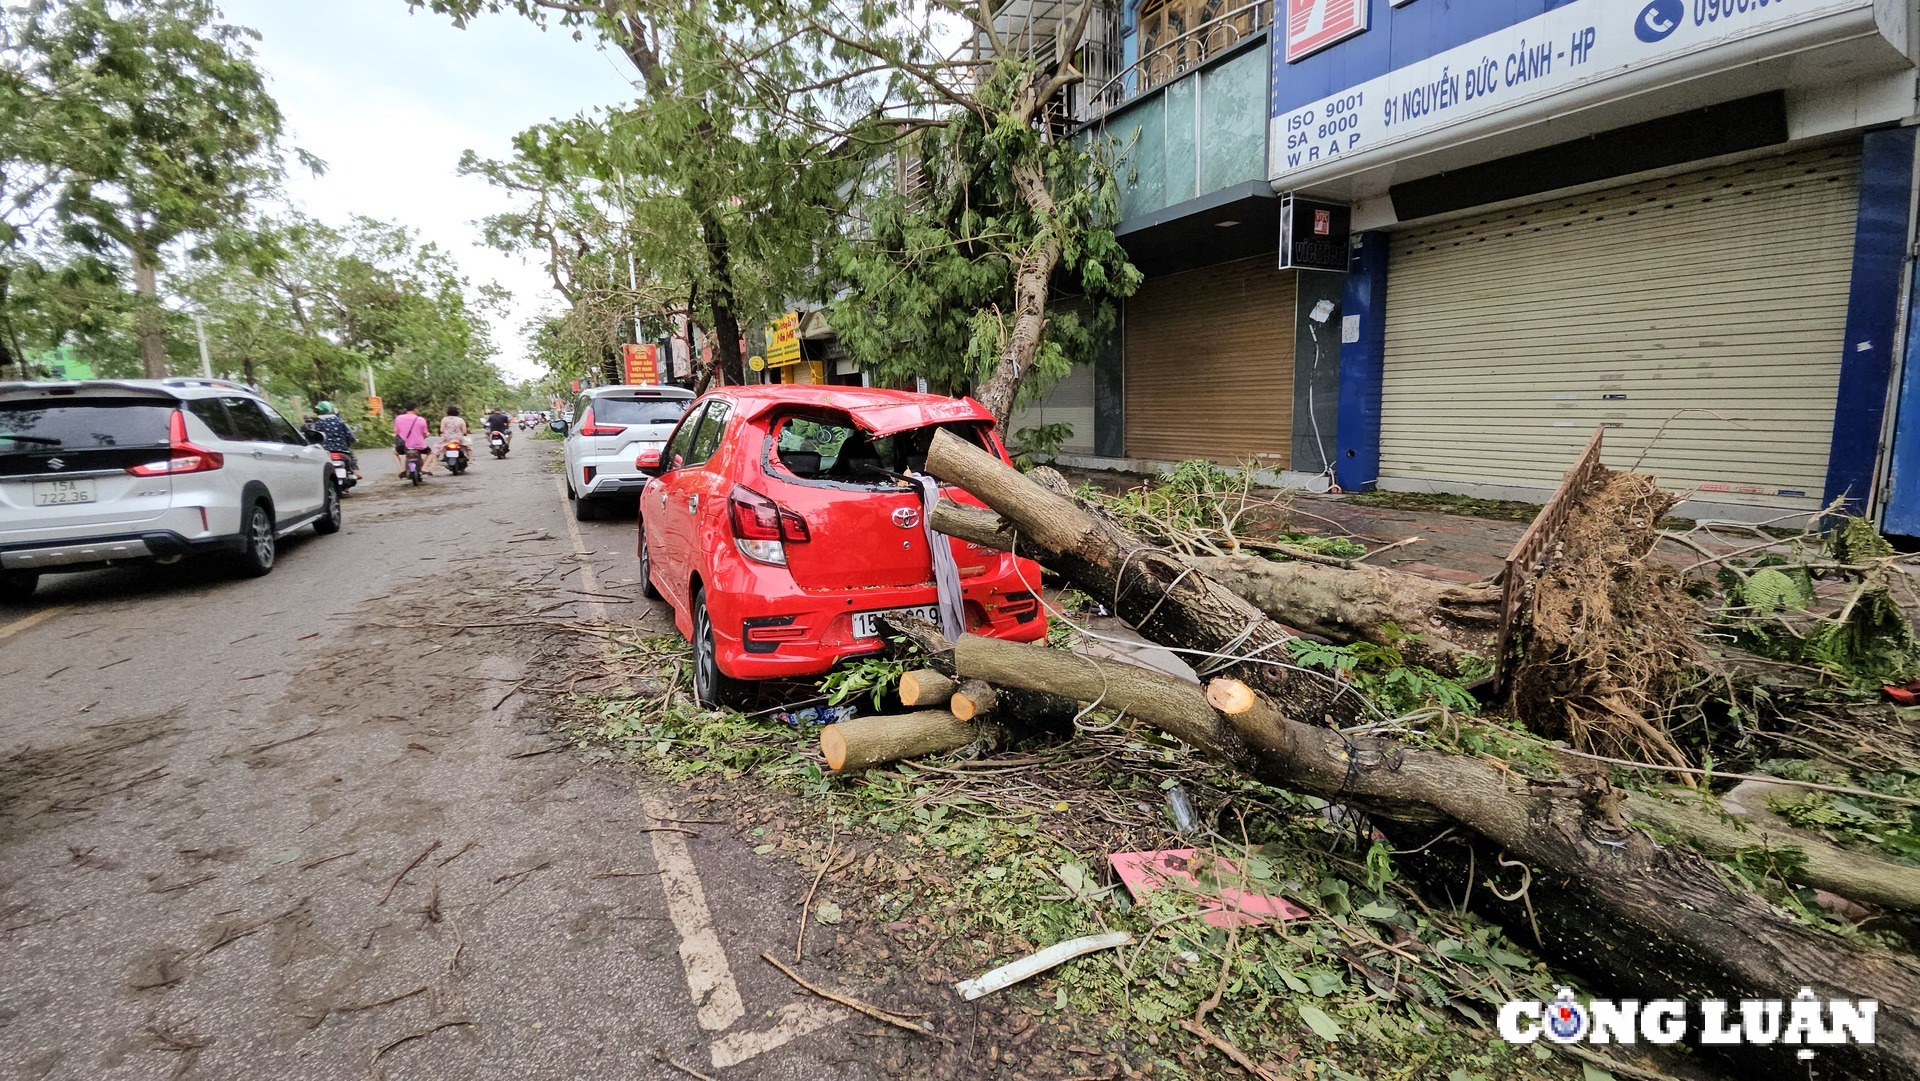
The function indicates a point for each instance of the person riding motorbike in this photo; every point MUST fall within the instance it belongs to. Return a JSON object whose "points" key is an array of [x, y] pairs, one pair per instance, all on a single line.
{"points": [[497, 422], [336, 435], [410, 434]]}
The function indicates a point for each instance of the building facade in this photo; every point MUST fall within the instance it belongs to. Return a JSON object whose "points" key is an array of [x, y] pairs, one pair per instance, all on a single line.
{"points": [[1686, 223]]}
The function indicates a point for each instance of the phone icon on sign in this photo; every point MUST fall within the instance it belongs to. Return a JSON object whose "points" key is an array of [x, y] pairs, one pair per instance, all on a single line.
{"points": [[1659, 19]]}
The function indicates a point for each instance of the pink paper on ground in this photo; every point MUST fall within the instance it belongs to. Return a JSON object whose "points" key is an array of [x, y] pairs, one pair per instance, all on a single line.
{"points": [[1147, 871]]}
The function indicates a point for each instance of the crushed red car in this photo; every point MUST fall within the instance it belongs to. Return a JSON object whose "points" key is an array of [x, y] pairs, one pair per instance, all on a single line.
{"points": [[780, 522]]}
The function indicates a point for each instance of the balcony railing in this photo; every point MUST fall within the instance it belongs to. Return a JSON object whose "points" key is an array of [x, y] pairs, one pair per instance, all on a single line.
{"points": [[1169, 61]]}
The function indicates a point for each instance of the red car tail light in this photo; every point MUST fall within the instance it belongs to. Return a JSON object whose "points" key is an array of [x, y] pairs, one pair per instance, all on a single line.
{"points": [[588, 427], [762, 528], [182, 456]]}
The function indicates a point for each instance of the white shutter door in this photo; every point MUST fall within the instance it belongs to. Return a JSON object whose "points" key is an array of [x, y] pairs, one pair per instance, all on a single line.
{"points": [[1698, 317]]}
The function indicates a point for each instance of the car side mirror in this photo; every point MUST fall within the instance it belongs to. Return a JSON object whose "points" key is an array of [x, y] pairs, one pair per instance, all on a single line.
{"points": [[648, 462], [558, 426], [315, 439]]}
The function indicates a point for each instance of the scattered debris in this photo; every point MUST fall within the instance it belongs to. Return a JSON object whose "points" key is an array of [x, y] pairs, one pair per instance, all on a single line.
{"points": [[1144, 872], [1032, 965]]}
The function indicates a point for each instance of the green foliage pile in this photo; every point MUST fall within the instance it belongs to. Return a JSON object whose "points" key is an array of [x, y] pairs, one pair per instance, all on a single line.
{"points": [[1384, 676], [1200, 506]]}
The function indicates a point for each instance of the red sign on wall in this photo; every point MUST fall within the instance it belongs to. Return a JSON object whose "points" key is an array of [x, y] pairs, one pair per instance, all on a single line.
{"points": [[642, 363], [1313, 25]]}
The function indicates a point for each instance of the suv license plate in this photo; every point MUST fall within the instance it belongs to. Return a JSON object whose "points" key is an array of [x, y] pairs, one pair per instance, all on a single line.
{"points": [[867, 624], [59, 493]]}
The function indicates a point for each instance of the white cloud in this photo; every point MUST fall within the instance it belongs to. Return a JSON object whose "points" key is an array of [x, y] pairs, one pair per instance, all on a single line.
{"points": [[390, 99]]}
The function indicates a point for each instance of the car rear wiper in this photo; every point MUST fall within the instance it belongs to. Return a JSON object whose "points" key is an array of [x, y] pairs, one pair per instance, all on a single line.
{"points": [[42, 440]]}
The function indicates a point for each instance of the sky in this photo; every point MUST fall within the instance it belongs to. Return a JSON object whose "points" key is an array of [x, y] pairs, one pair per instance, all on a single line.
{"points": [[389, 99]]}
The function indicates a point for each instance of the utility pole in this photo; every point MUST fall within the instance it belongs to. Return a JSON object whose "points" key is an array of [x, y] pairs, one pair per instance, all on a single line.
{"points": [[200, 331]]}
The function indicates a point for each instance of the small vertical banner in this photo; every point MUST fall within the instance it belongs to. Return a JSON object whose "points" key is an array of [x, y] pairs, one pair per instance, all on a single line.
{"points": [[374, 405], [576, 386], [642, 363]]}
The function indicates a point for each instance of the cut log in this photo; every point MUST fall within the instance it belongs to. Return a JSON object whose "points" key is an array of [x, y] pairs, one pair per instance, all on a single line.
{"points": [[973, 698], [1022, 711], [871, 741], [1653, 920], [1161, 597], [1229, 695], [925, 687], [976, 525]]}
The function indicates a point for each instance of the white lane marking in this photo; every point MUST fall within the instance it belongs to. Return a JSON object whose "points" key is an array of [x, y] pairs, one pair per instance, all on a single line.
{"points": [[792, 1022], [39, 617], [715, 996], [587, 576]]}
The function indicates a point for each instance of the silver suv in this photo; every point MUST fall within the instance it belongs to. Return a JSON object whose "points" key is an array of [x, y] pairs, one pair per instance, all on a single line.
{"points": [[609, 429], [111, 471]]}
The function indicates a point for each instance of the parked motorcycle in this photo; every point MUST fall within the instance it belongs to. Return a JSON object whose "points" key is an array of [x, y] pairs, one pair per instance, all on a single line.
{"points": [[343, 478], [416, 464], [454, 456], [498, 440]]}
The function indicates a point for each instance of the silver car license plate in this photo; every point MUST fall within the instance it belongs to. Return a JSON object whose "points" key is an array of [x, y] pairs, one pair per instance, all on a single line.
{"points": [[59, 493]]}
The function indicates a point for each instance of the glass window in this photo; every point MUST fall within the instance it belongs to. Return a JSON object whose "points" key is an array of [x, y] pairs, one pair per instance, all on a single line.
{"points": [[682, 438], [639, 410], [249, 422], [707, 440], [214, 415], [84, 422], [832, 447], [283, 431]]}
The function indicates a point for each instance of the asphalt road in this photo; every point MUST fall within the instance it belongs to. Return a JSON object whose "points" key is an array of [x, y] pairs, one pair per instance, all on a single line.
{"points": [[311, 826]]}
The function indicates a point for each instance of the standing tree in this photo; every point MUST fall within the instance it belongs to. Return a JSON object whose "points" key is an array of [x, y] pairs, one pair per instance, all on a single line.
{"points": [[167, 129]]}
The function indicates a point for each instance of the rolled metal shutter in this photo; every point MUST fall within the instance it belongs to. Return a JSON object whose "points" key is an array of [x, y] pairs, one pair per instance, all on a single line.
{"points": [[1209, 365], [1699, 318]]}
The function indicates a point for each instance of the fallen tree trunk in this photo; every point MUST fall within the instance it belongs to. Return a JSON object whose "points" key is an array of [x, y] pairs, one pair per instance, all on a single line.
{"points": [[1160, 596], [1452, 629], [1654, 920], [871, 741], [1650, 919]]}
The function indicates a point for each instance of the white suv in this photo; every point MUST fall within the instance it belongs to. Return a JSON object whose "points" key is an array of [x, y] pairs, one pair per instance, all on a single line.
{"points": [[609, 428], [110, 471]]}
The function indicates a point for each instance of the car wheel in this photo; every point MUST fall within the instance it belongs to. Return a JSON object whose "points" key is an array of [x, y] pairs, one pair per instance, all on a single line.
{"points": [[710, 685], [329, 520], [585, 510], [17, 586], [256, 534], [647, 589]]}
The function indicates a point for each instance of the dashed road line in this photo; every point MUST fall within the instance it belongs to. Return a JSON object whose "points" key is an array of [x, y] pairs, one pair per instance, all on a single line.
{"points": [[44, 614]]}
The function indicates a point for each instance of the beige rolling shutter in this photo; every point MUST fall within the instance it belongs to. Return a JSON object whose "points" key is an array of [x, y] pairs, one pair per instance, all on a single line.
{"points": [[1698, 317], [1209, 365]]}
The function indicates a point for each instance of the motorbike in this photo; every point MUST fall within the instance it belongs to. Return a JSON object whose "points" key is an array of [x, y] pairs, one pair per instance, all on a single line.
{"points": [[454, 454], [343, 478], [416, 464], [498, 441]]}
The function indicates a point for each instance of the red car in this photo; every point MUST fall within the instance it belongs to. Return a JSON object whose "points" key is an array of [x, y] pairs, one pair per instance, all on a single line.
{"points": [[779, 524]]}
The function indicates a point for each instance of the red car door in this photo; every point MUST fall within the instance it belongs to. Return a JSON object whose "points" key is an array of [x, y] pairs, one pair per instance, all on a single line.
{"points": [[690, 493], [660, 520]]}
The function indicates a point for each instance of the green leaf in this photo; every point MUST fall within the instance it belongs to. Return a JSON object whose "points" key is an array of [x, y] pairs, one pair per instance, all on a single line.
{"points": [[1590, 1072], [826, 912], [1377, 910], [1322, 1025], [1323, 983]]}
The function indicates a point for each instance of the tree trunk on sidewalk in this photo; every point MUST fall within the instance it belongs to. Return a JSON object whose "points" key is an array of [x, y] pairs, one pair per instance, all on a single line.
{"points": [[147, 325], [1654, 920], [1155, 592]]}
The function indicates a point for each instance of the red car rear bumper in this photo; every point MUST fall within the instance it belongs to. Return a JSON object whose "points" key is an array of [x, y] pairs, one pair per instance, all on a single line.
{"points": [[765, 627]]}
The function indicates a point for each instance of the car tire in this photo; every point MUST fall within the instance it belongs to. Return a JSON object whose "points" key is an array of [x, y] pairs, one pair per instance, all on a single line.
{"points": [[17, 586], [711, 686], [585, 510], [647, 589], [260, 547], [329, 520]]}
